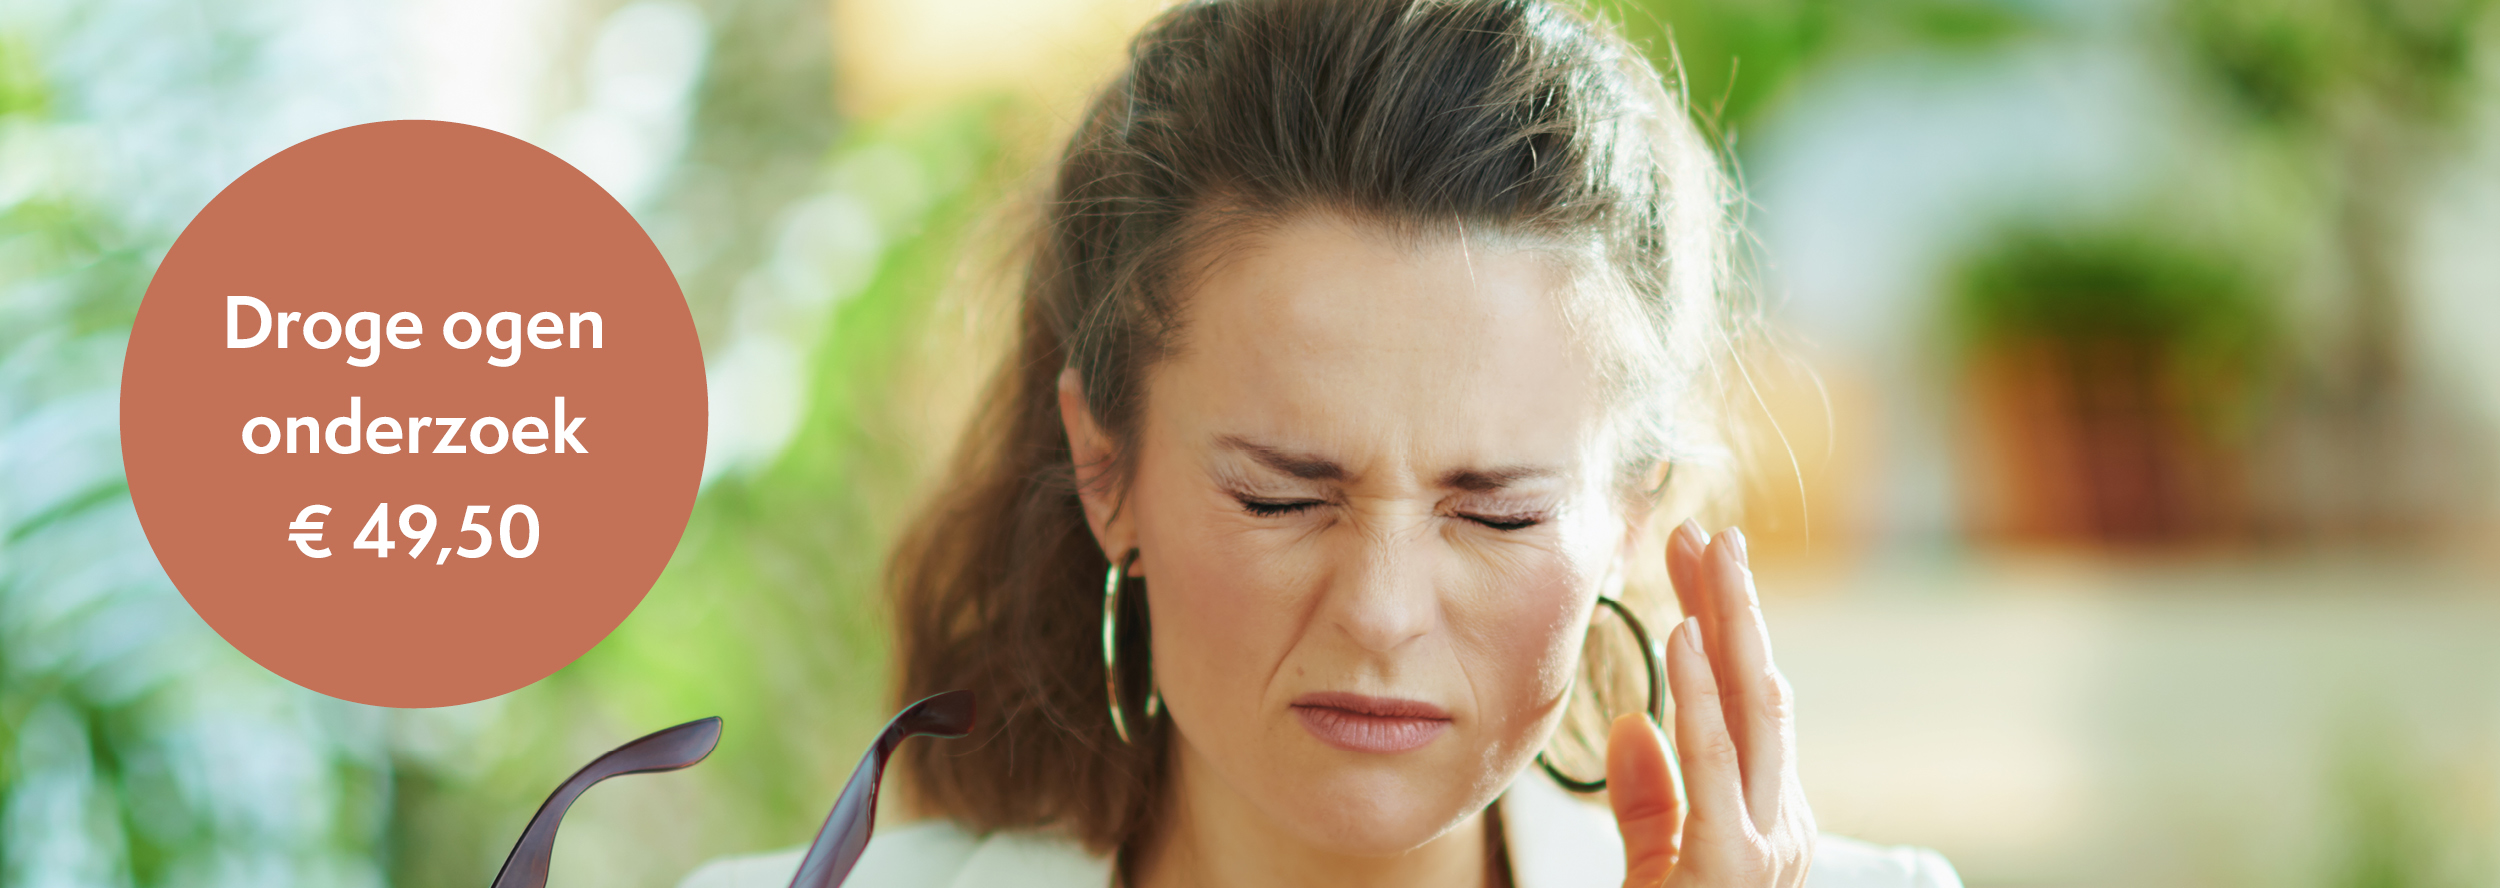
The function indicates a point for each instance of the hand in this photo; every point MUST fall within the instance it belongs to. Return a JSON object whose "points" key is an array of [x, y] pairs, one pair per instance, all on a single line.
{"points": [[1735, 736]]}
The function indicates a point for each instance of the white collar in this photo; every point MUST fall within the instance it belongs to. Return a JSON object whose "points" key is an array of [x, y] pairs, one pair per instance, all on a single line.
{"points": [[1554, 838], [1557, 839]]}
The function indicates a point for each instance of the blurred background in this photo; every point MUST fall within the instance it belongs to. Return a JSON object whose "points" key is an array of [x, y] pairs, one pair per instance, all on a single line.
{"points": [[2123, 466]]}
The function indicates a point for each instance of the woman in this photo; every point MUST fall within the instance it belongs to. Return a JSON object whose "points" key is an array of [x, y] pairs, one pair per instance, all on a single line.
{"points": [[1359, 344]]}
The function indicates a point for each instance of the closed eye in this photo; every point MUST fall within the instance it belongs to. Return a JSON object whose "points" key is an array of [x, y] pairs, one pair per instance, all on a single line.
{"points": [[1506, 522], [1270, 508]]}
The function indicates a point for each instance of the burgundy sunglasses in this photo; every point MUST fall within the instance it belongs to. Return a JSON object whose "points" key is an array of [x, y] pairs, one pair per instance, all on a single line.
{"points": [[838, 844]]}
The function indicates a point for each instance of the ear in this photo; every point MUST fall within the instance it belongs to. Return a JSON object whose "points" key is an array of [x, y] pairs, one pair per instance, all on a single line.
{"points": [[1092, 452]]}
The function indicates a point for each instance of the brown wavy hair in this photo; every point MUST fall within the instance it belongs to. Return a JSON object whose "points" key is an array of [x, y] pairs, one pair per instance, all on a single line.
{"points": [[1515, 117]]}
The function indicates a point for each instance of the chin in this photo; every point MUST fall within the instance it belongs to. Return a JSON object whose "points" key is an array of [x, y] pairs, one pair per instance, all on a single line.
{"points": [[1382, 811]]}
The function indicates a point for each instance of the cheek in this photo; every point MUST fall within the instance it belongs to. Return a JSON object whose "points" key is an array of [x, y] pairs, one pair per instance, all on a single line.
{"points": [[1524, 631], [1520, 635], [1225, 610]]}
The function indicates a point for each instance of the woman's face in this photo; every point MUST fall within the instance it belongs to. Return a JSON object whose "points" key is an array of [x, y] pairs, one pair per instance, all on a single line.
{"points": [[1373, 503]]}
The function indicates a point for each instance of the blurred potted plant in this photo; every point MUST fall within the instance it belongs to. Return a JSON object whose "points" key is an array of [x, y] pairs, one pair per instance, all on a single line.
{"points": [[2113, 375], [2366, 105]]}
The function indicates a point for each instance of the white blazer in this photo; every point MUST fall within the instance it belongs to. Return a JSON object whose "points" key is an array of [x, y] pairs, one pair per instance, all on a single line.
{"points": [[1556, 840]]}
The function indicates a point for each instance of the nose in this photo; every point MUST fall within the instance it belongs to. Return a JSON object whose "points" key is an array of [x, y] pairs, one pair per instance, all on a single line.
{"points": [[1381, 594]]}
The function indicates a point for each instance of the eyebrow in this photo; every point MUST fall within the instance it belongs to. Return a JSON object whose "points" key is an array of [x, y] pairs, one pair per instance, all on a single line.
{"points": [[1310, 467], [1482, 480], [1299, 465]]}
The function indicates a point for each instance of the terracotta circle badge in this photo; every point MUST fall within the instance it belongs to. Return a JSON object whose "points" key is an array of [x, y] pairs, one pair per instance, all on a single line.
{"points": [[413, 413]]}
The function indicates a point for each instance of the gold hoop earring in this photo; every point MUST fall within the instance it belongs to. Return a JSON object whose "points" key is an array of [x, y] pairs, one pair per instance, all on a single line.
{"points": [[1114, 610], [1653, 664]]}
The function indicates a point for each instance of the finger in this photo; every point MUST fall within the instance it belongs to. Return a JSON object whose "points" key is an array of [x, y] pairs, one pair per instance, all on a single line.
{"points": [[1684, 557], [1713, 782], [1641, 788], [1756, 696]]}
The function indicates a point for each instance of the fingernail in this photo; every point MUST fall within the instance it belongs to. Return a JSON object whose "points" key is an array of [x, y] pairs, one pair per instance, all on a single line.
{"points": [[1692, 633], [1736, 545], [1690, 534]]}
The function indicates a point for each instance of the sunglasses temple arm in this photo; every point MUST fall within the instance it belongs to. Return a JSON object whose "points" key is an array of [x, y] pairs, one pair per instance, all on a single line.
{"points": [[527, 865], [844, 837]]}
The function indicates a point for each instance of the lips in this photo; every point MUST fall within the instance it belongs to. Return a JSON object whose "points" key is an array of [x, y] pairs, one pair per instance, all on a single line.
{"points": [[1360, 723]]}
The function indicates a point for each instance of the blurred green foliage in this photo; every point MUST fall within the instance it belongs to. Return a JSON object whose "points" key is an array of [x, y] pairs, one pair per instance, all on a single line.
{"points": [[2398, 820], [1738, 59], [135, 747], [2366, 97], [2292, 63]]}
